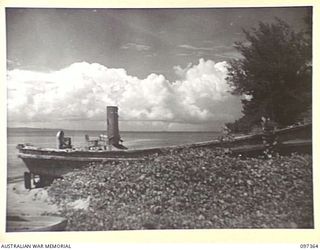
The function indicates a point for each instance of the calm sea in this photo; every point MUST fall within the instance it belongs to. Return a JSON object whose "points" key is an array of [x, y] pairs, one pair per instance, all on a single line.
{"points": [[132, 140]]}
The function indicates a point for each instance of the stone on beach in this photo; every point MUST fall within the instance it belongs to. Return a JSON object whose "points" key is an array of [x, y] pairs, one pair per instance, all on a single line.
{"points": [[187, 189]]}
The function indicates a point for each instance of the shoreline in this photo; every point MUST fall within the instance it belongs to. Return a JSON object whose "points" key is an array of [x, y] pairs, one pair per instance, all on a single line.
{"points": [[23, 202], [197, 160], [15, 179]]}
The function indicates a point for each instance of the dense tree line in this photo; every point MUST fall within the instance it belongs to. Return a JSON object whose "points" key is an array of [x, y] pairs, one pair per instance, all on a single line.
{"points": [[273, 76]]}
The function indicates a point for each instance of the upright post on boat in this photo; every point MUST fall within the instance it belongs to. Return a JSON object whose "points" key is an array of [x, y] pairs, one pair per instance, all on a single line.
{"points": [[112, 125], [113, 128]]}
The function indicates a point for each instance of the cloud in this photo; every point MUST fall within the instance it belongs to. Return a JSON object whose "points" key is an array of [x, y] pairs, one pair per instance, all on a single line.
{"points": [[208, 42], [181, 72], [13, 63], [82, 91], [232, 54], [184, 54], [136, 46], [151, 55], [221, 51], [190, 47], [211, 48]]}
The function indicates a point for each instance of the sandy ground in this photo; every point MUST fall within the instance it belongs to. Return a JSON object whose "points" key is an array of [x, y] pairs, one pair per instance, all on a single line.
{"points": [[23, 202]]}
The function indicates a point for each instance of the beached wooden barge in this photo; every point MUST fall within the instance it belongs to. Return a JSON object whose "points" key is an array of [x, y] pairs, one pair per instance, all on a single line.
{"points": [[54, 163], [46, 164]]}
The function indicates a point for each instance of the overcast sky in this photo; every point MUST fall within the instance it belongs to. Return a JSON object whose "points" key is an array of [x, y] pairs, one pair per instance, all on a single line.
{"points": [[164, 68]]}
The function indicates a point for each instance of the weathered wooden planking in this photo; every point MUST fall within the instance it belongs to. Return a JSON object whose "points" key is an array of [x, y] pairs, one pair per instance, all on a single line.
{"points": [[287, 147], [75, 158]]}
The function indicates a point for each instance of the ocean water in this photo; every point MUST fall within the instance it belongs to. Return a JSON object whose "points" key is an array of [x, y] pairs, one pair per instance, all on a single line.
{"points": [[132, 140]]}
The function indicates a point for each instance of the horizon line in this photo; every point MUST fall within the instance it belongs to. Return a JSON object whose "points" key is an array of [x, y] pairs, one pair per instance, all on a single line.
{"points": [[136, 131]]}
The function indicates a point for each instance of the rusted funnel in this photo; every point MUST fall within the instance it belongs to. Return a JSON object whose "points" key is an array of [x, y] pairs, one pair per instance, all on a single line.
{"points": [[113, 127]]}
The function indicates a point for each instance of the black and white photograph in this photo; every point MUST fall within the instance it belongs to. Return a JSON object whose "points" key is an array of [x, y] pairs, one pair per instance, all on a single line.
{"points": [[159, 118]]}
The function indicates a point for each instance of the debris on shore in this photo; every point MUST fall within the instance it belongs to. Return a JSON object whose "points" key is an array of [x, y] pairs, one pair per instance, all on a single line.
{"points": [[24, 202], [190, 188]]}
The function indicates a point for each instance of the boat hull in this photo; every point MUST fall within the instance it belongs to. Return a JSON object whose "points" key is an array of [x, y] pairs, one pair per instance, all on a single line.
{"points": [[55, 163], [56, 166]]}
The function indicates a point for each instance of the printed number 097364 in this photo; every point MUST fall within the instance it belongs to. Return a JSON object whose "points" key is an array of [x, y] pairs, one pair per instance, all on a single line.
{"points": [[308, 245]]}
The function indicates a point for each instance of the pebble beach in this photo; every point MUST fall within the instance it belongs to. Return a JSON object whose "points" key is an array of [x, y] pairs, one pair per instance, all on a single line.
{"points": [[189, 188]]}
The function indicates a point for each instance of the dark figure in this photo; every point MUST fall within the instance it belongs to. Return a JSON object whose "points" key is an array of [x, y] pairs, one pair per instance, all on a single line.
{"points": [[63, 142]]}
